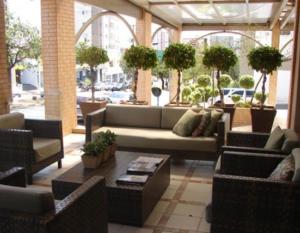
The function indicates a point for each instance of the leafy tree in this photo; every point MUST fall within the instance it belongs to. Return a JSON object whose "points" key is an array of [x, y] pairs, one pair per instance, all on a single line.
{"points": [[179, 57], [128, 71], [162, 72], [265, 59], [22, 41], [91, 56], [139, 57], [221, 59]]}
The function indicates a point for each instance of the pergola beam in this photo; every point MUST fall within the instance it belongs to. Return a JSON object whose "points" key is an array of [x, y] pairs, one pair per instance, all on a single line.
{"points": [[219, 15], [248, 11], [183, 8], [287, 18], [170, 2], [278, 13]]}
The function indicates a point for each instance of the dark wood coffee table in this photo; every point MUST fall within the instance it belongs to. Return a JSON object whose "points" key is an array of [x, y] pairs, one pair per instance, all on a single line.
{"points": [[126, 204]]}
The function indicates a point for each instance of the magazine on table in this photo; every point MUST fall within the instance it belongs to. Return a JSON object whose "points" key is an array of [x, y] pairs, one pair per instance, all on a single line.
{"points": [[132, 179], [141, 168], [145, 159]]}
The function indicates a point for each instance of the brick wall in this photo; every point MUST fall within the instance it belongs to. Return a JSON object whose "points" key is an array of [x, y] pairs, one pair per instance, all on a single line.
{"points": [[58, 53], [4, 82]]}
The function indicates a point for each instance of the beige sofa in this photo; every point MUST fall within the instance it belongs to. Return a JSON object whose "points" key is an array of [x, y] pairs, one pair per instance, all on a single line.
{"points": [[149, 129]]}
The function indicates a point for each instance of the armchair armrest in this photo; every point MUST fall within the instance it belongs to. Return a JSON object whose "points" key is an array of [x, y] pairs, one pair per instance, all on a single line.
{"points": [[94, 121], [75, 210], [222, 129], [14, 177], [249, 164], [16, 148], [247, 139], [250, 150], [247, 204], [45, 128]]}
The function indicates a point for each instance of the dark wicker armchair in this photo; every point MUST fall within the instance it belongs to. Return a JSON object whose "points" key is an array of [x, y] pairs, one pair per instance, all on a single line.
{"points": [[245, 201], [32, 144], [14, 176], [255, 142], [83, 211]]}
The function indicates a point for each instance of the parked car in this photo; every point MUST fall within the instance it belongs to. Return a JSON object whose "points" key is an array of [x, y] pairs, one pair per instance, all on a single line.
{"points": [[117, 96]]}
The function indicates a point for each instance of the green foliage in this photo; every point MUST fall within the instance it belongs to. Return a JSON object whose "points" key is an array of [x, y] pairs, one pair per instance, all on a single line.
{"points": [[219, 57], [213, 92], [197, 96], [179, 56], [235, 98], [260, 97], [161, 71], [22, 41], [140, 57], [94, 148], [204, 80], [247, 81], [106, 138], [127, 70], [186, 92], [242, 104], [225, 80], [90, 55], [265, 59]]}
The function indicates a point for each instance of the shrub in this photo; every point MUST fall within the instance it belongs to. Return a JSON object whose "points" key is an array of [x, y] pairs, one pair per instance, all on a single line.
{"points": [[225, 80], [235, 98], [204, 80], [246, 82]]}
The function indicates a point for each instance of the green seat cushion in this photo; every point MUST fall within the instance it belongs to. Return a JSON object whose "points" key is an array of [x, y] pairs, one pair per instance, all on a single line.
{"points": [[13, 120], [26, 200], [216, 115], [275, 140], [187, 123], [159, 139], [205, 119], [45, 148]]}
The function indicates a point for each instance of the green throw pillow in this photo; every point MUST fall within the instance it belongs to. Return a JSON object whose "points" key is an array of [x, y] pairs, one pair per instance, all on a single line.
{"points": [[205, 119], [211, 128], [275, 140], [187, 123]]}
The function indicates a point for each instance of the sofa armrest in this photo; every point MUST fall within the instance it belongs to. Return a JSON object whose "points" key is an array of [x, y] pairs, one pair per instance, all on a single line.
{"points": [[77, 208], [94, 121], [16, 148], [251, 150], [45, 128], [247, 139], [249, 164], [222, 129], [254, 204], [14, 177]]}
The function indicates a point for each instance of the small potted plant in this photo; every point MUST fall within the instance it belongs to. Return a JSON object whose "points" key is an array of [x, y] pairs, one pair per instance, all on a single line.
{"points": [[179, 57], [139, 57], [264, 59], [108, 138], [91, 56], [93, 154]]}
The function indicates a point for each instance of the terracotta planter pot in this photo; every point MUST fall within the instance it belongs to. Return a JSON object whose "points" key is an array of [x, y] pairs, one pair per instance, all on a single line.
{"points": [[228, 108], [106, 154], [113, 149], [242, 117], [262, 119], [88, 107], [91, 161]]}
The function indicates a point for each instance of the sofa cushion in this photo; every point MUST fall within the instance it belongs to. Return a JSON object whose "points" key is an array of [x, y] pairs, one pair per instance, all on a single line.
{"points": [[170, 116], [296, 156], [291, 141], [26, 200], [160, 139], [45, 148], [276, 139], [13, 120], [215, 116], [187, 123], [284, 170], [133, 116]]}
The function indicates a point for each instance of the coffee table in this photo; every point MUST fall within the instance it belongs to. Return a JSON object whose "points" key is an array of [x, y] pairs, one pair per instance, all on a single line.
{"points": [[127, 204]]}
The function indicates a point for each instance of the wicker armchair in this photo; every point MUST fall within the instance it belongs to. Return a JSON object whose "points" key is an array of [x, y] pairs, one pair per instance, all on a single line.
{"points": [[14, 177], [255, 142], [83, 211], [245, 201], [32, 144]]}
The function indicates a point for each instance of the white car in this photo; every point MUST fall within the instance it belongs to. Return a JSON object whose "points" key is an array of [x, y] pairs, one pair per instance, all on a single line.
{"points": [[117, 96]]}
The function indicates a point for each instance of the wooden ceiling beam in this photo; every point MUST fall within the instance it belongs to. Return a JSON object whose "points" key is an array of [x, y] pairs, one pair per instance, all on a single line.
{"points": [[171, 2]]}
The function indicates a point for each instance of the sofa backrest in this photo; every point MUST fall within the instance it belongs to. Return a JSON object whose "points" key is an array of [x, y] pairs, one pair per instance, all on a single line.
{"points": [[291, 141], [170, 116], [133, 116], [26, 200], [13, 120]]}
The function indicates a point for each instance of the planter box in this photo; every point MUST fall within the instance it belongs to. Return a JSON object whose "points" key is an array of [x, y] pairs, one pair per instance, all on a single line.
{"points": [[91, 161], [242, 117], [88, 107]]}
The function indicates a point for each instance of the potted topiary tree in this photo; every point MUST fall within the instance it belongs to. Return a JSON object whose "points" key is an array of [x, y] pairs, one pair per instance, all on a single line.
{"points": [[179, 57], [246, 82], [91, 56], [139, 57], [264, 59]]}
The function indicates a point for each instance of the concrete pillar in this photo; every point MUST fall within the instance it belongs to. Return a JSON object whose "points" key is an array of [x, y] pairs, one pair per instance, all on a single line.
{"points": [[58, 54], [294, 104], [143, 33], [4, 81], [175, 38], [273, 77]]}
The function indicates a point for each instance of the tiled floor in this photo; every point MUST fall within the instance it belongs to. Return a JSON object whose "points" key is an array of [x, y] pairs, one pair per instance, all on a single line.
{"points": [[181, 208]]}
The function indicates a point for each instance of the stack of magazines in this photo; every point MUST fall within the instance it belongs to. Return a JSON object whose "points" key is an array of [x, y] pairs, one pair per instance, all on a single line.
{"points": [[139, 170]]}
